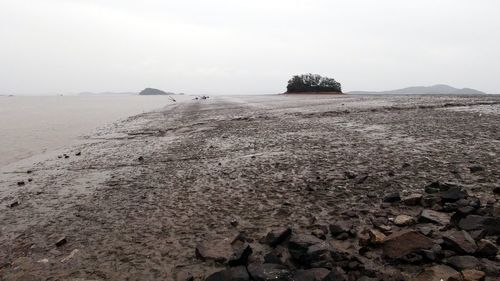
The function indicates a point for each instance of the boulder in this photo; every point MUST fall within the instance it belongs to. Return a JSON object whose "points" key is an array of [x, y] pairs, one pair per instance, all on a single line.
{"points": [[486, 248], [337, 274], [459, 241], [412, 200], [435, 217], [278, 255], [269, 272], [277, 236], [462, 262], [340, 227], [240, 256], [300, 243], [437, 273], [219, 251], [392, 197], [238, 273], [313, 274], [491, 225], [453, 194], [402, 243], [404, 220], [473, 275]]}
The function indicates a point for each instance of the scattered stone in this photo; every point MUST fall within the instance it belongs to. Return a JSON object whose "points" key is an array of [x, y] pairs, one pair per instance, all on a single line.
{"points": [[453, 194], [219, 251], [491, 225], [70, 256], [313, 274], [404, 220], [61, 241], [231, 274], [496, 190], [269, 272], [376, 237], [476, 168], [462, 262], [435, 217], [13, 204], [437, 273], [29, 171], [320, 233], [140, 158], [473, 275], [277, 236], [412, 200], [392, 197], [486, 248], [78, 153], [21, 183], [460, 242], [402, 243], [278, 255], [337, 274], [66, 156], [340, 227], [234, 223], [300, 243], [350, 174], [240, 256]]}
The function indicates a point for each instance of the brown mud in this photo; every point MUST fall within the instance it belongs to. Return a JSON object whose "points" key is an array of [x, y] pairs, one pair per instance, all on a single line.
{"points": [[146, 191]]}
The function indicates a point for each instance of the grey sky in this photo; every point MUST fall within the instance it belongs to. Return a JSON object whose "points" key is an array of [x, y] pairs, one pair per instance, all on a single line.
{"points": [[233, 46]]}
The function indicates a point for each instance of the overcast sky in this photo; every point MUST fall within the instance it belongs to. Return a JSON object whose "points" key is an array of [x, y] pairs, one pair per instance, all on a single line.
{"points": [[241, 47]]}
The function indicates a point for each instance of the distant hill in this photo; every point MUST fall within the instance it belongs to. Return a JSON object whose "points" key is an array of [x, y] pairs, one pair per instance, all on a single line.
{"points": [[107, 94], [422, 90], [154, 92]]}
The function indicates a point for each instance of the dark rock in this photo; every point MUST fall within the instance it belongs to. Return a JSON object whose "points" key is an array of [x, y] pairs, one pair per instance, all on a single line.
{"points": [[278, 255], [376, 237], [300, 243], [462, 262], [140, 158], [404, 220], [402, 243], [78, 154], [21, 183], [486, 248], [337, 274], [490, 267], [392, 197], [437, 273], [430, 200], [496, 190], [350, 174], [475, 222], [340, 227], [219, 251], [476, 168], [435, 217], [459, 241], [240, 238], [276, 236], [453, 194], [240, 256], [313, 274], [234, 223], [61, 241], [321, 234], [269, 272], [362, 179], [412, 199], [13, 204], [473, 275], [238, 273]]}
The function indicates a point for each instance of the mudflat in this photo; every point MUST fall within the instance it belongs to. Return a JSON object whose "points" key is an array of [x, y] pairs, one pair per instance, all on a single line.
{"points": [[136, 199]]}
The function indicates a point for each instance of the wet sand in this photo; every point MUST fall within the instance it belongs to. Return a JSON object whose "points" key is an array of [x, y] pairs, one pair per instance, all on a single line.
{"points": [[145, 191]]}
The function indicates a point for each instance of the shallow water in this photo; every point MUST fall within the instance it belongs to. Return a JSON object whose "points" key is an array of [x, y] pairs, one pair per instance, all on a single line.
{"points": [[34, 125]]}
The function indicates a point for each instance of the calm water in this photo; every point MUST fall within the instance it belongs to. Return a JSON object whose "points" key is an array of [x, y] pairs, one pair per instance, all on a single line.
{"points": [[34, 125]]}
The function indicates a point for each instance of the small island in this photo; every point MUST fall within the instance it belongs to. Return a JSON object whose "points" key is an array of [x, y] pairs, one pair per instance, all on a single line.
{"points": [[313, 84], [154, 92]]}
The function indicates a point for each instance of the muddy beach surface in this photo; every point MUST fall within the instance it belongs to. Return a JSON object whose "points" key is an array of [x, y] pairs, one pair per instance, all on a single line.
{"points": [[136, 200]]}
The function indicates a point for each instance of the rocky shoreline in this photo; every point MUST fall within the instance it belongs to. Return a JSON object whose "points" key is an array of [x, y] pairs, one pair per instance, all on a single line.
{"points": [[453, 237], [266, 187]]}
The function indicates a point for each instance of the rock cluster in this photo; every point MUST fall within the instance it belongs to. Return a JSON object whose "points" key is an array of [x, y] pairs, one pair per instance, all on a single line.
{"points": [[453, 236]]}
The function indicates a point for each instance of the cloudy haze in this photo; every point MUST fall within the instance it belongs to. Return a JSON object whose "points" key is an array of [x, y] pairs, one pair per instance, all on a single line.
{"points": [[243, 47]]}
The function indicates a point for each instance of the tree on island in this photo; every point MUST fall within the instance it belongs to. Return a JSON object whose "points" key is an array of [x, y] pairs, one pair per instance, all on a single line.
{"points": [[312, 83]]}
